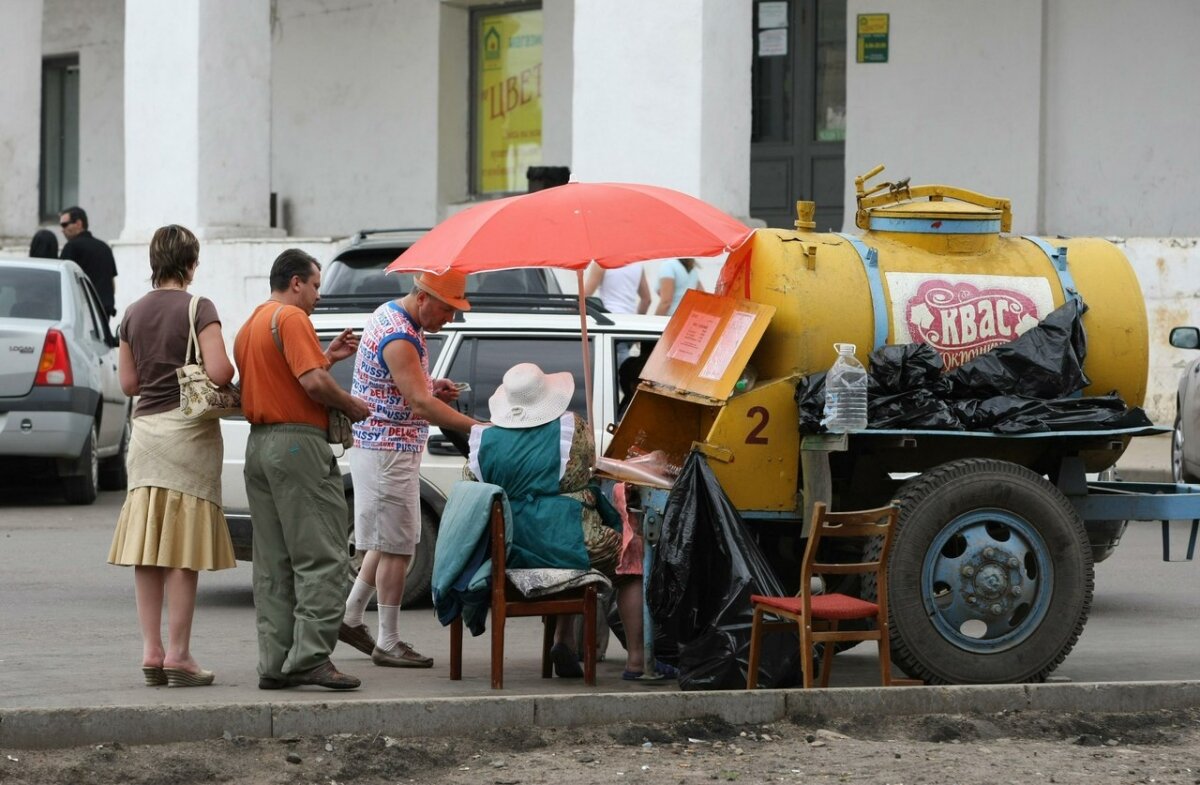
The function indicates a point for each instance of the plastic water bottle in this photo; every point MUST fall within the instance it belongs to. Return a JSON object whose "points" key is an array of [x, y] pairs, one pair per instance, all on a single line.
{"points": [[845, 392]]}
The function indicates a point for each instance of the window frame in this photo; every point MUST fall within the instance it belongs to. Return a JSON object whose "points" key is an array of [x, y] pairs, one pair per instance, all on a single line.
{"points": [[53, 197]]}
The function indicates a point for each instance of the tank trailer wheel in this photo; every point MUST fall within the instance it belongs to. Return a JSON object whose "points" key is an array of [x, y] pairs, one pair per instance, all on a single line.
{"points": [[990, 576]]}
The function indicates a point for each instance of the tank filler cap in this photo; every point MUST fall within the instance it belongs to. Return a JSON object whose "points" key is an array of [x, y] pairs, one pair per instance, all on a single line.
{"points": [[900, 207]]}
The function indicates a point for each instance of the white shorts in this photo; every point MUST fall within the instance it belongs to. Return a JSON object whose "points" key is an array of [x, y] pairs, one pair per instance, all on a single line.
{"points": [[387, 500]]}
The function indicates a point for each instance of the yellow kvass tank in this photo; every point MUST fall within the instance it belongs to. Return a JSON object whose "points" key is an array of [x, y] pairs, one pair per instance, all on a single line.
{"points": [[933, 265]]}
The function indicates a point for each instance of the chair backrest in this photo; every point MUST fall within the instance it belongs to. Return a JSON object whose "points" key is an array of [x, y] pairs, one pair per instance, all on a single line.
{"points": [[879, 522]]}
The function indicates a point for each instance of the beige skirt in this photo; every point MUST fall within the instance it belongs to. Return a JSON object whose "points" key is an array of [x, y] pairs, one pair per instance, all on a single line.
{"points": [[162, 528]]}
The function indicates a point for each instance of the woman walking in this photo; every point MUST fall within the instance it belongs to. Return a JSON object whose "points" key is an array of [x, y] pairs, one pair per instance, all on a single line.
{"points": [[171, 525]]}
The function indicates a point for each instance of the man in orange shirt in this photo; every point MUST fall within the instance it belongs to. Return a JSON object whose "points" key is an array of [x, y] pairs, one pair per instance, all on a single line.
{"points": [[293, 484]]}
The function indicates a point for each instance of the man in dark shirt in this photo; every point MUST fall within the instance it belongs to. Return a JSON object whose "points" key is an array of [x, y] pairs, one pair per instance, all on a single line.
{"points": [[93, 255]]}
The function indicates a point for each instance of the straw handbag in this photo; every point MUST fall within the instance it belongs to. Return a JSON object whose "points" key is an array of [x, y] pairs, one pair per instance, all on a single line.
{"points": [[199, 398]]}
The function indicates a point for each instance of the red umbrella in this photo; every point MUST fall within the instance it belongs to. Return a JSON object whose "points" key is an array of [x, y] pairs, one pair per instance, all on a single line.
{"points": [[569, 227], [572, 225]]}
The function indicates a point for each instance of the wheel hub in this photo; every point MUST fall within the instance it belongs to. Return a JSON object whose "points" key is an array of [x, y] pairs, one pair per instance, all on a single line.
{"points": [[991, 579]]}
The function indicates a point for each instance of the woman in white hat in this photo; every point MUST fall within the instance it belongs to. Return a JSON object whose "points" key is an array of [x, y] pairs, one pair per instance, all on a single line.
{"points": [[542, 456]]}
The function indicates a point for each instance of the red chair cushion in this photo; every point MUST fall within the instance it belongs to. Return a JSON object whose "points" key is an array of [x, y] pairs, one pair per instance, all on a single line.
{"points": [[824, 606]]}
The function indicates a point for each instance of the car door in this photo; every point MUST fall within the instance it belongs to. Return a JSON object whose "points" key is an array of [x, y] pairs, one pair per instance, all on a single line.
{"points": [[97, 336], [1189, 417]]}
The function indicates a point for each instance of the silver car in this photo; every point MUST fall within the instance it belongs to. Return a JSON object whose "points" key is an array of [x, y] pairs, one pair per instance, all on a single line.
{"points": [[62, 412], [1185, 442]]}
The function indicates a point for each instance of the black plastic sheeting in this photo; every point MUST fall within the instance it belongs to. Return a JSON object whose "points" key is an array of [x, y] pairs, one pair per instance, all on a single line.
{"points": [[705, 568], [1026, 386]]}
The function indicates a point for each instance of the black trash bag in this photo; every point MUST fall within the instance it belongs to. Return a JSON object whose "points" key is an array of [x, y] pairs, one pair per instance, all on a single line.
{"points": [[916, 409], [810, 396], [1098, 412], [705, 568], [982, 415], [904, 367], [1046, 362]]}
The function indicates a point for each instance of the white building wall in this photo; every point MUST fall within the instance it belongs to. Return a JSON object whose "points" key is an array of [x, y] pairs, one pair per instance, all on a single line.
{"points": [[656, 85], [95, 30], [355, 114], [957, 102], [1121, 152], [20, 123]]}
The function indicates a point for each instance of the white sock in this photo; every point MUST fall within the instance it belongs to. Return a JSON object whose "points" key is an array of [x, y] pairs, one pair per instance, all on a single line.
{"points": [[356, 603], [389, 627]]}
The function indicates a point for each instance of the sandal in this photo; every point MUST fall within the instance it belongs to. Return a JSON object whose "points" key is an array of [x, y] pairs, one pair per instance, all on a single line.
{"points": [[662, 672]]}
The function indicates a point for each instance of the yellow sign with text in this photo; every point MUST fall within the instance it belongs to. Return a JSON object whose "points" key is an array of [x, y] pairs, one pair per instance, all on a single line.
{"points": [[508, 104]]}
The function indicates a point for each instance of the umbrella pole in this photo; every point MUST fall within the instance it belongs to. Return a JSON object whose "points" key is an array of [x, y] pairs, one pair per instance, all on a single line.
{"points": [[587, 356]]}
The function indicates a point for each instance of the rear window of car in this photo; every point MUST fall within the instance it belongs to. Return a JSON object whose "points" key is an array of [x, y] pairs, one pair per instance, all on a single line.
{"points": [[27, 293], [482, 362], [362, 273]]}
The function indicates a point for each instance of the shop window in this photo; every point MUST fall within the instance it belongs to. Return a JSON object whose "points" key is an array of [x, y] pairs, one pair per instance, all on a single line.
{"points": [[59, 177], [506, 97]]}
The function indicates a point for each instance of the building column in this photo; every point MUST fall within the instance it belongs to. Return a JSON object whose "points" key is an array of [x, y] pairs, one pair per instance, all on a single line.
{"points": [[197, 117], [20, 120], [662, 96]]}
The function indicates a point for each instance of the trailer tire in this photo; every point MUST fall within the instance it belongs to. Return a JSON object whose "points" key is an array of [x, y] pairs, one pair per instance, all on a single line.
{"points": [[990, 576]]}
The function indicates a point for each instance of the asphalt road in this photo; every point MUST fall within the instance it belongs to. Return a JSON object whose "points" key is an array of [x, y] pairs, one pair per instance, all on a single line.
{"points": [[70, 631]]}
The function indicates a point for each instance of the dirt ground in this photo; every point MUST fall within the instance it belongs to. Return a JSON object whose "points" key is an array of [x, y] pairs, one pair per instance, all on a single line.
{"points": [[1013, 747]]}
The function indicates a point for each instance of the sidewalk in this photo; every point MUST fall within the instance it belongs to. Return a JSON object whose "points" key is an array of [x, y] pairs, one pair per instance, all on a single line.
{"points": [[1147, 459]]}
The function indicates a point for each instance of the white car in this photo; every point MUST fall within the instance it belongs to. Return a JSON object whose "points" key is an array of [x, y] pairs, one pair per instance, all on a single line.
{"points": [[62, 412], [1185, 442], [477, 348]]}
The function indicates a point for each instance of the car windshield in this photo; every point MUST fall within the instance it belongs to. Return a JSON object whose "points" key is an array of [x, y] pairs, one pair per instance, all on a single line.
{"points": [[361, 272], [26, 293]]}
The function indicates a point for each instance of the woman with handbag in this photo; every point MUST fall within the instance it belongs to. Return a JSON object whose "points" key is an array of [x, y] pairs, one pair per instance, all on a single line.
{"points": [[171, 525]]}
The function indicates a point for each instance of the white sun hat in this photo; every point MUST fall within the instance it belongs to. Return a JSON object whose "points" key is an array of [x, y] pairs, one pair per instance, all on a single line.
{"points": [[529, 397]]}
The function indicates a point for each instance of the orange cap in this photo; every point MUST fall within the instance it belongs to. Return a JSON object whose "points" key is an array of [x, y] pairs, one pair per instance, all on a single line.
{"points": [[450, 287]]}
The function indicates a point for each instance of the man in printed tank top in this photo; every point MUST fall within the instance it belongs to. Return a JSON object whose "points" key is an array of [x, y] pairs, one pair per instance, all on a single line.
{"points": [[391, 373]]}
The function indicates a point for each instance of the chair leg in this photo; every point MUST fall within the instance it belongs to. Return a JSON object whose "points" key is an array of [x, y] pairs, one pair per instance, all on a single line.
{"points": [[589, 636], [456, 629], [755, 648], [549, 625], [806, 652], [885, 656], [828, 649], [498, 619]]}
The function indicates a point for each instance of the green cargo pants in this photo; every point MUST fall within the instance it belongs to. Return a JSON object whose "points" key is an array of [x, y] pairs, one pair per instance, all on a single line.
{"points": [[301, 562]]}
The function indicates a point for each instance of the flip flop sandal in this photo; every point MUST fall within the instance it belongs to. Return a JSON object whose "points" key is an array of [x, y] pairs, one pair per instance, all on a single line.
{"points": [[662, 672]]}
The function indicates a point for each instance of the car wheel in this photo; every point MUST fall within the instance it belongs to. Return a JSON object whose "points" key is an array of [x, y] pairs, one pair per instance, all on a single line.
{"points": [[82, 488], [1177, 473], [112, 470]]}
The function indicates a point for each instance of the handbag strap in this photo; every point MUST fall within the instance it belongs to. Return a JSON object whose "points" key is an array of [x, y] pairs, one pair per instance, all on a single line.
{"points": [[275, 331], [193, 347]]}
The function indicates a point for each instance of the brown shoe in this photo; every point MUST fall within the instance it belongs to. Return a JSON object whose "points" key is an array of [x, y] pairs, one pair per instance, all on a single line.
{"points": [[359, 637], [324, 675], [402, 655]]}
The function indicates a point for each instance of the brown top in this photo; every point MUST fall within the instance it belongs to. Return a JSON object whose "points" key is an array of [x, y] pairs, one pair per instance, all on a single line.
{"points": [[156, 329], [271, 390]]}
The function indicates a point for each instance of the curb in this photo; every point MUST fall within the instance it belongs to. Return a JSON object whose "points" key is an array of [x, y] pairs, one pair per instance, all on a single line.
{"points": [[57, 728]]}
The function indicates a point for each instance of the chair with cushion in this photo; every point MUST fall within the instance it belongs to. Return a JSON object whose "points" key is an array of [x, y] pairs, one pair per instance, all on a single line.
{"points": [[507, 602], [819, 615]]}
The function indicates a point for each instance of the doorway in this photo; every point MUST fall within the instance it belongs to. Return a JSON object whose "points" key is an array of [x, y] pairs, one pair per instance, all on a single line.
{"points": [[798, 127]]}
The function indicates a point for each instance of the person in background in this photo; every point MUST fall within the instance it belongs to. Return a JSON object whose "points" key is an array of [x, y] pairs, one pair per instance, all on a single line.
{"points": [[171, 525], [293, 483], [93, 255], [44, 245], [391, 373], [675, 277], [621, 289]]}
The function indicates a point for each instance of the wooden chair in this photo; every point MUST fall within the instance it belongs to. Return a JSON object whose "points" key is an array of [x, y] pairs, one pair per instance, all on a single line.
{"points": [[507, 602], [818, 616]]}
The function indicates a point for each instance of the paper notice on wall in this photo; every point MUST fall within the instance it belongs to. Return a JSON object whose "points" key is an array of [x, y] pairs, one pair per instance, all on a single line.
{"points": [[772, 14], [730, 340], [693, 339], [772, 43]]}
